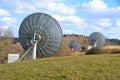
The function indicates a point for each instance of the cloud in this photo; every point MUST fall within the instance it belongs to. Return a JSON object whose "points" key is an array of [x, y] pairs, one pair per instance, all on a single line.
{"points": [[53, 7], [75, 24], [4, 27], [23, 8], [113, 32], [117, 23], [95, 5], [99, 9], [104, 22], [68, 31], [99, 16], [19, 11], [4, 12], [8, 20], [100, 22], [71, 21], [108, 27]]}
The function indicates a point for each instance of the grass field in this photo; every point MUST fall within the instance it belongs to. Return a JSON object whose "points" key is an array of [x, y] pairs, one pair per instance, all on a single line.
{"points": [[84, 67]]}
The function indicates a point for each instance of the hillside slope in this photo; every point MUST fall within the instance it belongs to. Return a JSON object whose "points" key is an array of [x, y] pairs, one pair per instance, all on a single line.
{"points": [[85, 67]]}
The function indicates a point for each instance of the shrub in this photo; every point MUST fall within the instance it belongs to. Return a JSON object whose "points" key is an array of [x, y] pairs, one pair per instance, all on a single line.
{"points": [[94, 51], [83, 48]]}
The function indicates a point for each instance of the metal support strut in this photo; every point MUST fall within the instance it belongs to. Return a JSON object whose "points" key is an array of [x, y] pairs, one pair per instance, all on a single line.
{"points": [[33, 48], [34, 43], [95, 45]]}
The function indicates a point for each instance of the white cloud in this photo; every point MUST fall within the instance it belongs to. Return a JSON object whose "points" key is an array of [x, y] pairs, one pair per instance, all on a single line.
{"points": [[61, 7], [4, 12], [99, 9], [83, 26], [72, 21], [105, 22], [102, 25], [99, 15], [4, 27], [8, 20], [68, 31], [19, 11], [108, 27], [53, 7], [117, 23], [113, 32], [22, 8], [95, 5], [100, 22]]}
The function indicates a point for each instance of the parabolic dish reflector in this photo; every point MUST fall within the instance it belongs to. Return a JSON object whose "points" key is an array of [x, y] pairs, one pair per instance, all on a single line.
{"points": [[96, 37], [73, 44], [49, 34]]}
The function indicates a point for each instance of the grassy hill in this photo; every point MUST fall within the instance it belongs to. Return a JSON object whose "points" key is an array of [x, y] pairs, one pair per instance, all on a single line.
{"points": [[84, 67], [71, 66]]}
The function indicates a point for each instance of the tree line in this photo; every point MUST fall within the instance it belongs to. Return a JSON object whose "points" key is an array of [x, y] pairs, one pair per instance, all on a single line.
{"points": [[76, 35]]}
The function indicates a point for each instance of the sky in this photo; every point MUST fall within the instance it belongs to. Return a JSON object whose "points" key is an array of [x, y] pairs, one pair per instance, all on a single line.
{"points": [[74, 16]]}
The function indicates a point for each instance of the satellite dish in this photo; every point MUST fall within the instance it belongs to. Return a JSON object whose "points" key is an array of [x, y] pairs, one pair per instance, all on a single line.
{"points": [[41, 31], [74, 45], [96, 39]]}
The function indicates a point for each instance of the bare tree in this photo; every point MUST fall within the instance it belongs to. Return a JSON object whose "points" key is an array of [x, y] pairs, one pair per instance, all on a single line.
{"points": [[8, 32], [0, 31], [6, 42]]}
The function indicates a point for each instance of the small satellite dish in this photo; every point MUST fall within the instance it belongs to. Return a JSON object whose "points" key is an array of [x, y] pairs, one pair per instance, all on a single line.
{"points": [[41, 31], [74, 45], [96, 39]]}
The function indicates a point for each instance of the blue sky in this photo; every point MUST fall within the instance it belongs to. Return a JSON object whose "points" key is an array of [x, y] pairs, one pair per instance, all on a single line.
{"points": [[74, 16]]}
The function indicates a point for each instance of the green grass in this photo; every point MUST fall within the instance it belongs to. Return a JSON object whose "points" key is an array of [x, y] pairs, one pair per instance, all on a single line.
{"points": [[84, 67]]}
